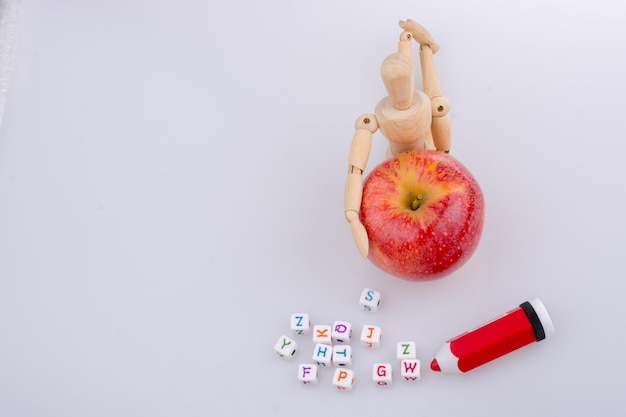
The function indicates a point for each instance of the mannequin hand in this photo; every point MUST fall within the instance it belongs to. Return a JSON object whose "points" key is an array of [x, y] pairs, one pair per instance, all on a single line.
{"points": [[358, 232]]}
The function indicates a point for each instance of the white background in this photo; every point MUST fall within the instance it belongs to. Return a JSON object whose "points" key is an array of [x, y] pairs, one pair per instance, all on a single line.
{"points": [[171, 189]]}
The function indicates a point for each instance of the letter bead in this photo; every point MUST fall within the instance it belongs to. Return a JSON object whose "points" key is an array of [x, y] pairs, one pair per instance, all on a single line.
{"points": [[382, 374], [300, 323], [370, 300], [285, 347], [308, 373], [343, 379], [371, 336], [322, 334], [342, 332], [410, 369], [322, 354], [406, 350], [342, 355]]}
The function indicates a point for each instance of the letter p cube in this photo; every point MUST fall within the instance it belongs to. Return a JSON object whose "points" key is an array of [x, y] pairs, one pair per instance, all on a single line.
{"points": [[343, 379]]}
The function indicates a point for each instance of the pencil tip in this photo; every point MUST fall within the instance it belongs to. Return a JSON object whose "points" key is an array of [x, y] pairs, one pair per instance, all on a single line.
{"points": [[434, 365]]}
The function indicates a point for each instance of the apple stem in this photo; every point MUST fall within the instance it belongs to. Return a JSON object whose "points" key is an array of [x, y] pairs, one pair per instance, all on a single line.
{"points": [[416, 203]]}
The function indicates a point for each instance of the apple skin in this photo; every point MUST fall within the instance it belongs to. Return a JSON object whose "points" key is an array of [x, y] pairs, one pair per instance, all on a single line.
{"points": [[437, 237]]}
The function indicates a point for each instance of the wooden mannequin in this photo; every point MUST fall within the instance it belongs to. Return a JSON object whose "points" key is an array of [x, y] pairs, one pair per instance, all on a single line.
{"points": [[408, 118]]}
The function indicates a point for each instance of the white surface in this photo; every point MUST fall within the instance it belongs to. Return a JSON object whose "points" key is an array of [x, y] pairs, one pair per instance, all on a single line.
{"points": [[171, 190]]}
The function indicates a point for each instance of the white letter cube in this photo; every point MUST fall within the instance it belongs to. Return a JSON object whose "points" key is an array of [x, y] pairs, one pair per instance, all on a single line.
{"points": [[300, 323], [307, 373], [410, 369], [285, 347], [370, 300], [322, 354], [382, 373], [406, 350], [342, 332], [322, 333], [342, 355], [343, 379], [371, 336]]}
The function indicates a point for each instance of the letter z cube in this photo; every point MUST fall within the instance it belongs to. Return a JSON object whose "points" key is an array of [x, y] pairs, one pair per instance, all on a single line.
{"points": [[300, 323]]}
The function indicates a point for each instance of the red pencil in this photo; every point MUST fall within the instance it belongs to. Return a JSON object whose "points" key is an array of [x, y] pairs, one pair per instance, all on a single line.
{"points": [[530, 322]]}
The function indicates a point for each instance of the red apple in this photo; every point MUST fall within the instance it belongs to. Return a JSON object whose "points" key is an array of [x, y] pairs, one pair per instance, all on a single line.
{"points": [[424, 213]]}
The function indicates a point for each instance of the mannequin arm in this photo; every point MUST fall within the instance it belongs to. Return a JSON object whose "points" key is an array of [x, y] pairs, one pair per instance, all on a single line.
{"points": [[365, 127], [440, 128]]}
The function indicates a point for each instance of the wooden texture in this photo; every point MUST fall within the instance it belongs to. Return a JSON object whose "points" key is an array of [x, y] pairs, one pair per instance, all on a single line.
{"points": [[409, 119]]}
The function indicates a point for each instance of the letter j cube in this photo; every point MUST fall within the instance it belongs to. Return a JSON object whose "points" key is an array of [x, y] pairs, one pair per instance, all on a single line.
{"points": [[371, 336], [300, 323], [285, 347]]}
